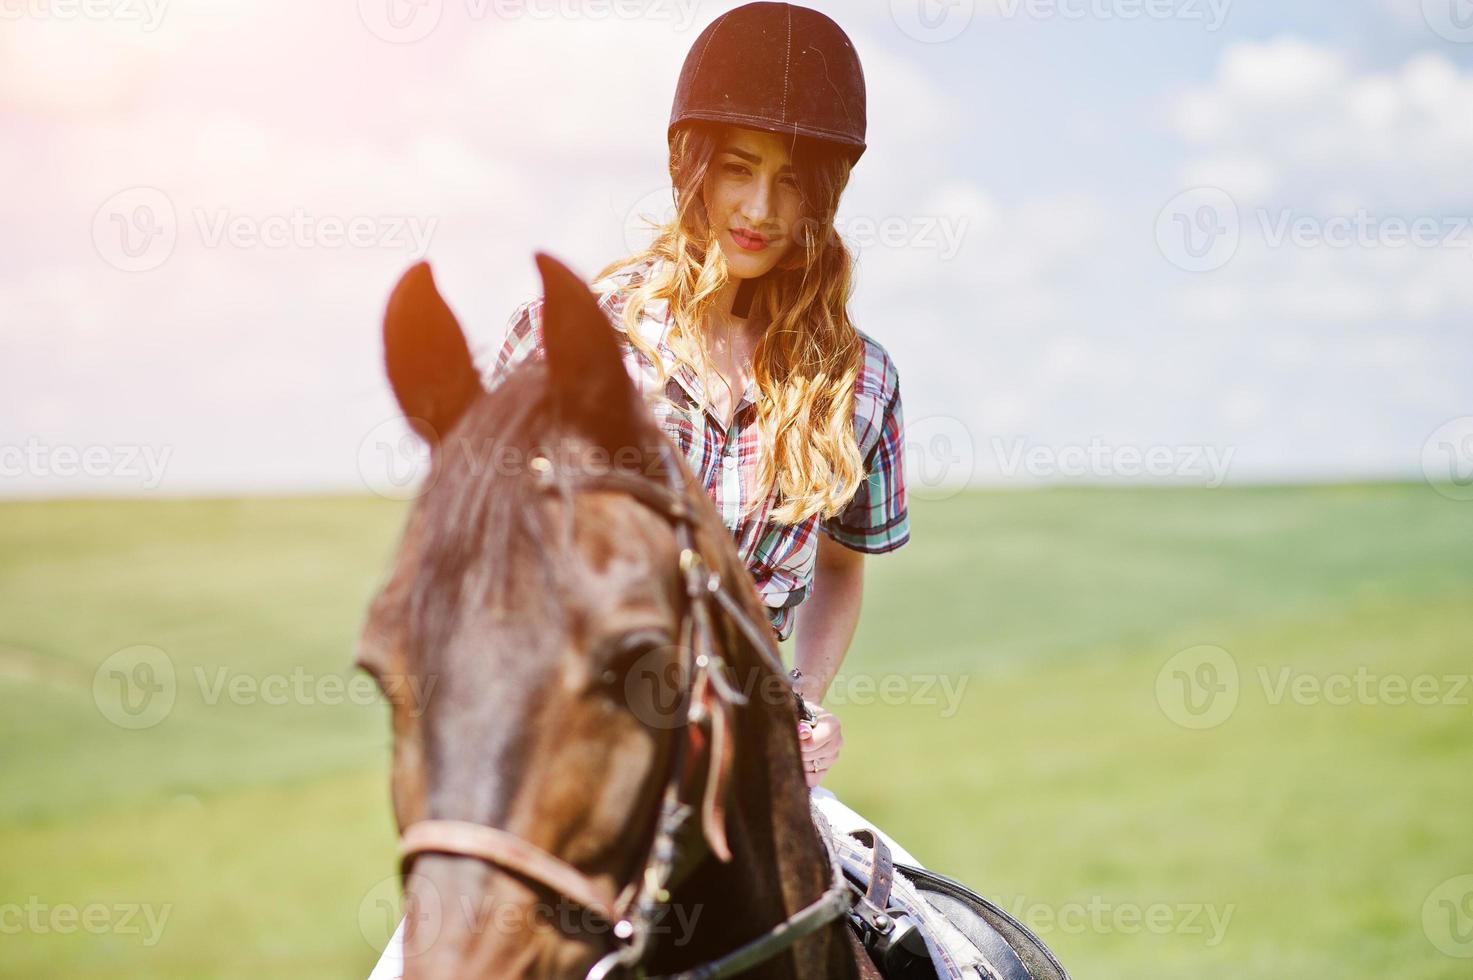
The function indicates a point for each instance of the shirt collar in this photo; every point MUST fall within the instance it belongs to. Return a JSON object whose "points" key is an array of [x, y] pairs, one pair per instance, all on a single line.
{"points": [[655, 326]]}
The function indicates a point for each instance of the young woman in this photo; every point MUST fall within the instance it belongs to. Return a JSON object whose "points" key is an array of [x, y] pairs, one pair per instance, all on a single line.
{"points": [[738, 335]]}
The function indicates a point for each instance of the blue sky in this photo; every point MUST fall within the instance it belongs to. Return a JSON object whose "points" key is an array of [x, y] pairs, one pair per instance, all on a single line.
{"points": [[1106, 238]]}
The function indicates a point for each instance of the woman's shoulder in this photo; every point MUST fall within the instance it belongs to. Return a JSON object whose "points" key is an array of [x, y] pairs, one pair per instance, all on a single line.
{"points": [[876, 393], [879, 379]]}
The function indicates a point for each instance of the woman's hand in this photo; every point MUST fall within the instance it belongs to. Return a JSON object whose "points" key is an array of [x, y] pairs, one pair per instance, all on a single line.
{"points": [[820, 743]]}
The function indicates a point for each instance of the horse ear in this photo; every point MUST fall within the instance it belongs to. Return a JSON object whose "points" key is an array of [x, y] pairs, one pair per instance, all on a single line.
{"points": [[425, 353], [585, 366]]}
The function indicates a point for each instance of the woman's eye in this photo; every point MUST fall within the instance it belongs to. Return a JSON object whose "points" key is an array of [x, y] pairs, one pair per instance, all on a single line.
{"points": [[737, 170]]}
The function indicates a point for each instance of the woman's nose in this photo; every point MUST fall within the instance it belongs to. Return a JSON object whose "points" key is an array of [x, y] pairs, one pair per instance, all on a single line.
{"points": [[757, 208]]}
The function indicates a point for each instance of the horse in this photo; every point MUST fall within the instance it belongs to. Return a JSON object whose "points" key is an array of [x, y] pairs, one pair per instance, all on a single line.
{"points": [[606, 778]]}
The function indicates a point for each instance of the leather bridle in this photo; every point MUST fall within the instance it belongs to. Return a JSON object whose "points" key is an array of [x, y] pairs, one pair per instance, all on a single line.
{"points": [[710, 701]]}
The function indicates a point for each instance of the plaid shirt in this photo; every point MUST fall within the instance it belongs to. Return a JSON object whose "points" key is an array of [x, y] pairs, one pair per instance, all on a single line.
{"points": [[780, 557]]}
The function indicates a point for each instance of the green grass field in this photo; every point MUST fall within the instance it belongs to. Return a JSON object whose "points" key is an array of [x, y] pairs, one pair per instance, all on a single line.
{"points": [[1305, 835]]}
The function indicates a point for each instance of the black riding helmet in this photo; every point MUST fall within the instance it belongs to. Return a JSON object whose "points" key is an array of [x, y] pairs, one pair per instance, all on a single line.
{"points": [[776, 67]]}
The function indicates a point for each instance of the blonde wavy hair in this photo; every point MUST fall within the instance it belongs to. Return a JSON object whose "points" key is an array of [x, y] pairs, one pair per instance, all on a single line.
{"points": [[809, 357]]}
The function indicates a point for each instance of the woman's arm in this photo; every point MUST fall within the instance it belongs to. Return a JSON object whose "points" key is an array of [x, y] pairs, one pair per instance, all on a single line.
{"points": [[826, 623], [828, 617]]}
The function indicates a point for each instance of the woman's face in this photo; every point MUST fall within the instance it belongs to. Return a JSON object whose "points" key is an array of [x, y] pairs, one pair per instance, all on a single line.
{"points": [[751, 188]]}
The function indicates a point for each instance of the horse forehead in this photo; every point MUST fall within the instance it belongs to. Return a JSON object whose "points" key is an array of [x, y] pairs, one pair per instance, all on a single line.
{"points": [[627, 550], [613, 530]]}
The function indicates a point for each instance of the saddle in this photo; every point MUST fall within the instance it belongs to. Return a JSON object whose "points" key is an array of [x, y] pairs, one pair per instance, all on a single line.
{"points": [[919, 925]]}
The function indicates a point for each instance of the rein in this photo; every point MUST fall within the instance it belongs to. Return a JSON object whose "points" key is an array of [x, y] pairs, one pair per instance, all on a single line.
{"points": [[632, 911]]}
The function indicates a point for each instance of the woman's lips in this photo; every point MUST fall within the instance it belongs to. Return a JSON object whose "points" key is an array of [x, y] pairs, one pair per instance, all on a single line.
{"points": [[748, 241]]}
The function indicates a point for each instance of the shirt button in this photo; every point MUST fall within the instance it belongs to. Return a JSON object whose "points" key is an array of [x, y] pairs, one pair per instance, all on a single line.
{"points": [[729, 461]]}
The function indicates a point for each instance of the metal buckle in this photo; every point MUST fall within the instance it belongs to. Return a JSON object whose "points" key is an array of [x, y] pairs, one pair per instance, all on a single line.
{"points": [[541, 468], [693, 565]]}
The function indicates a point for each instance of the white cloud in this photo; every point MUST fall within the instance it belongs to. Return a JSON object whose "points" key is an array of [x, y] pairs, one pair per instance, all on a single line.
{"points": [[1288, 120], [1297, 134]]}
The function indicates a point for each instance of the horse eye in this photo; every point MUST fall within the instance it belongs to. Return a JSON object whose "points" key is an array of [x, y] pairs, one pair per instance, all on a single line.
{"points": [[629, 652]]}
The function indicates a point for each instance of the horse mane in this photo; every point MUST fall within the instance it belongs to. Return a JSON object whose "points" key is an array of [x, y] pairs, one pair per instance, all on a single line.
{"points": [[481, 511]]}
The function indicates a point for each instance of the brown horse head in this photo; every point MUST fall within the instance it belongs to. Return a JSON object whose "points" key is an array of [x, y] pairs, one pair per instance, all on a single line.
{"points": [[518, 628]]}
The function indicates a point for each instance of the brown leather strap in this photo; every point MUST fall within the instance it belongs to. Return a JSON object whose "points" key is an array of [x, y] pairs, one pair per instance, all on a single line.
{"points": [[506, 850], [882, 869]]}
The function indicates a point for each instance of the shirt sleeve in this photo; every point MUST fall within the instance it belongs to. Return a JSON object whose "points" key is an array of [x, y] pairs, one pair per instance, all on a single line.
{"points": [[877, 519], [523, 340]]}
